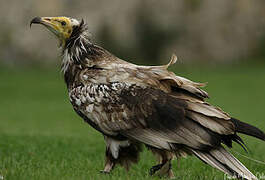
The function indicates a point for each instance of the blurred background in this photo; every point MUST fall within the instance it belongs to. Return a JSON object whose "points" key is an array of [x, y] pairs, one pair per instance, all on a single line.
{"points": [[142, 31], [221, 42]]}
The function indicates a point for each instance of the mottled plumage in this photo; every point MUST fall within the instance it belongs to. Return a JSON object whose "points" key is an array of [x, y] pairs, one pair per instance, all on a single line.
{"points": [[133, 105]]}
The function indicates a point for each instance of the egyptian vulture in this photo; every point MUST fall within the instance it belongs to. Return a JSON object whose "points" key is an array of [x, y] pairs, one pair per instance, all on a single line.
{"points": [[133, 105]]}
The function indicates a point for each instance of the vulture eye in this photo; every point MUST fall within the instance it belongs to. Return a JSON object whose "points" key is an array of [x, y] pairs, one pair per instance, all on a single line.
{"points": [[63, 23]]}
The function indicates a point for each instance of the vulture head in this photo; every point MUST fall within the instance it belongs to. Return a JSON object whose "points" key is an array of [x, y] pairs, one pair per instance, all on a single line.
{"points": [[64, 28]]}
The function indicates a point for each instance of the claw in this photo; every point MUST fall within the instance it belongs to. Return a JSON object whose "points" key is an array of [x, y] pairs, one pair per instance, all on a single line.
{"points": [[163, 169], [155, 168]]}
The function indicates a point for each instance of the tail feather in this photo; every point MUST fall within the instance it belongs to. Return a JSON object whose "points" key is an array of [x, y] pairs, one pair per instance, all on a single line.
{"points": [[209, 159], [226, 162], [248, 129]]}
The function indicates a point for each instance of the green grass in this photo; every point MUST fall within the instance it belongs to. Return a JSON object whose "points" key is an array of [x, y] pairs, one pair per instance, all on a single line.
{"points": [[42, 138]]}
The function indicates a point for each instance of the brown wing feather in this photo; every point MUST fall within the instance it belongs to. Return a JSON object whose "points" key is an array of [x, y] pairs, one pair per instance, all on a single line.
{"points": [[169, 120]]}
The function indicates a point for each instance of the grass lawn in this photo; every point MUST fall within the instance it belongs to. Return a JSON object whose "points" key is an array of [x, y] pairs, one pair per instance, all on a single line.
{"points": [[42, 138]]}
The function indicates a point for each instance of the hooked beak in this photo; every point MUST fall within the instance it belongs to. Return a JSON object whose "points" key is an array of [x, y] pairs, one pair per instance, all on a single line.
{"points": [[36, 20], [60, 26], [48, 23]]}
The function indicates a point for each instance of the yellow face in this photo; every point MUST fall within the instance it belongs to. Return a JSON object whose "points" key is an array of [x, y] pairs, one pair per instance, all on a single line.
{"points": [[62, 27]]}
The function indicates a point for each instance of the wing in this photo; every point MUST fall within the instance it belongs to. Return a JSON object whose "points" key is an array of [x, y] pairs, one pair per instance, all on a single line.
{"points": [[167, 120], [152, 116]]}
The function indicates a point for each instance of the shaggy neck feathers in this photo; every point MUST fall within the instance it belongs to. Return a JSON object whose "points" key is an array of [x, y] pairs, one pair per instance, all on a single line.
{"points": [[76, 47]]}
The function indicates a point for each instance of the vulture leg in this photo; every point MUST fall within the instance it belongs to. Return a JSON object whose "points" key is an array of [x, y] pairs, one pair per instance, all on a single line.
{"points": [[124, 153], [109, 163], [164, 166]]}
